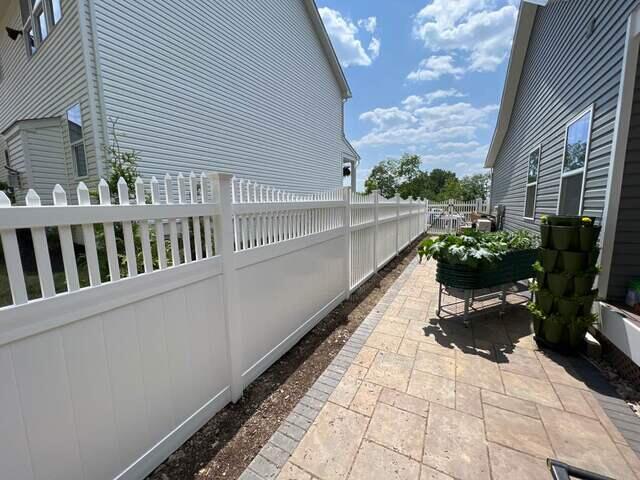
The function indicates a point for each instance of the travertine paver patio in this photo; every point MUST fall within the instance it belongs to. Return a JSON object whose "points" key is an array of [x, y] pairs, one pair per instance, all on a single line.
{"points": [[430, 399]]}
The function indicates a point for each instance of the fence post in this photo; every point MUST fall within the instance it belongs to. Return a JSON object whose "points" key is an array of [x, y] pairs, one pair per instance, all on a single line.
{"points": [[346, 223], [223, 241], [375, 231], [397, 224]]}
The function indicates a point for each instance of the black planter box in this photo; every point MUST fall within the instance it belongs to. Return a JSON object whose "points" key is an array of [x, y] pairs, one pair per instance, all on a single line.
{"points": [[514, 266]]}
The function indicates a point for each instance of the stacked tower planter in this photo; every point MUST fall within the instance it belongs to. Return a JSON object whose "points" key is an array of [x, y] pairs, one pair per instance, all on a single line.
{"points": [[565, 274]]}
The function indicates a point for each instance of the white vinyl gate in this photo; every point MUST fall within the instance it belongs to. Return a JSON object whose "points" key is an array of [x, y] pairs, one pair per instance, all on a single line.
{"points": [[450, 216]]}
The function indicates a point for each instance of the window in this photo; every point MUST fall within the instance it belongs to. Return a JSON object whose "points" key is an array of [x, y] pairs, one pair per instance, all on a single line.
{"points": [[574, 165], [74, 123], [38, 19], [532, 184]]}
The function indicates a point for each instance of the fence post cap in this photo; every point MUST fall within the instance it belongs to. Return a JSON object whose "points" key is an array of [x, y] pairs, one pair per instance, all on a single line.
{"points": [[222, 176]]}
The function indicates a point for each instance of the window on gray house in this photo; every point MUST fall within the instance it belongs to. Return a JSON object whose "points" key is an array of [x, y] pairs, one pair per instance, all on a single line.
{"points": [[39, 17], [574, 165], [76, 140], [532, 184]]}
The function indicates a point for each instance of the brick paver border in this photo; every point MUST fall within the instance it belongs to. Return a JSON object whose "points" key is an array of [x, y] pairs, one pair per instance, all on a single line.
{"points": [[272, 457]]}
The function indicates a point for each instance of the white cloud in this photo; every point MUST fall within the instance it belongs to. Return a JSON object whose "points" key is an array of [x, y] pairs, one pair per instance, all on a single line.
{"points": [[432, 125], [369, 24], [414, 101], [479, 29], [434, 67], [345, 37], [374, 48]]}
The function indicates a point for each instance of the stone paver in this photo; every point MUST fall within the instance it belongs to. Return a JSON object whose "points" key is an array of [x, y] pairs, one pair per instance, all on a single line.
{"points": [[398, 430], [332, 442], [415, 397], [507, 464], [455, 444], [378, 463]]}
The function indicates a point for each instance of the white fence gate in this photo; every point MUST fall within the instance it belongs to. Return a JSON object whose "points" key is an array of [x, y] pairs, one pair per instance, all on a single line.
{"points": [[141, 339], [450, 216]]}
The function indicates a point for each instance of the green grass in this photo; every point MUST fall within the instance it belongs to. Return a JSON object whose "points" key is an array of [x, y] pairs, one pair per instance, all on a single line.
{"points": [[32, 283]]}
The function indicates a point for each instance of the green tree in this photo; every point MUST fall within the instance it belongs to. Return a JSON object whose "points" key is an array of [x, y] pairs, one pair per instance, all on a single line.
{"points": [[384, 178], [475, 186]]}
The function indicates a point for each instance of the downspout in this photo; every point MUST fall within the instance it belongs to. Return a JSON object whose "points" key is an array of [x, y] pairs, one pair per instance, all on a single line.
{"points": [[91, 87]]}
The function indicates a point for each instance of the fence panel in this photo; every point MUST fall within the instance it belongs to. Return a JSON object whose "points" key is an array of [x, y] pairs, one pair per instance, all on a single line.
{"points": [[450, 216], [149, 309]]}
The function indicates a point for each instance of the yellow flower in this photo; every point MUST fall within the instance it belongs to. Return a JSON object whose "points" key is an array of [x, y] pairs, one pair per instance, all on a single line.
{"points": [[586, 220]]}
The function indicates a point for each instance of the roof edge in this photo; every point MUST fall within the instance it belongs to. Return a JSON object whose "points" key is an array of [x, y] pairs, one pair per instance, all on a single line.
{"points": [[327, 46], [352, 150], [521, 35]]}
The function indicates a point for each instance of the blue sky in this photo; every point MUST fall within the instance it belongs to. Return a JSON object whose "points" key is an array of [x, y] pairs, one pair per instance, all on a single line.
{"points": [[426, 76]]}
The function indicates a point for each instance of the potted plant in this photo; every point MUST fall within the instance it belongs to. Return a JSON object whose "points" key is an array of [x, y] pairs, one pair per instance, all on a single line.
{"points": [[549, 258], [545, 300], [538, 317], [558, 283], [545, 232], [553, 327], [578, 328], [563, 221], [568, 307], [589, 233], [573, 262], [540, 274], [565, 237], [587, 302], [583, 282]]}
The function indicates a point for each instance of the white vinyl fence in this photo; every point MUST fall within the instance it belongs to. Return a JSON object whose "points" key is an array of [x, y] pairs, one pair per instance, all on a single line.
{"points": [[169, 305]]}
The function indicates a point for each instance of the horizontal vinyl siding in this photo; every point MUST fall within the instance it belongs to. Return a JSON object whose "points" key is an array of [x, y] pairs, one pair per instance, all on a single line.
{"points": [[625, 263], [48, 166], [46, 84], [565, 72], [239, 87]]}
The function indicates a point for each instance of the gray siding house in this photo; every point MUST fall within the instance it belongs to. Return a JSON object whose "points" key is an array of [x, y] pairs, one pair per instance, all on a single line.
{"points": [[251, 88], [567, 139]]}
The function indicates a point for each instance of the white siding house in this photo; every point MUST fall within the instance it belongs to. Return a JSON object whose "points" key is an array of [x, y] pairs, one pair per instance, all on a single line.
{"points": [[249, 88]]}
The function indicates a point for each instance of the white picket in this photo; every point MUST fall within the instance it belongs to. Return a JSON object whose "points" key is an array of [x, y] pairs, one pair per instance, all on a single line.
{"points": [[173, 228], [12, 259], [144, 229], [91, 252], [109, 233], [193, 193], [127, 231], [186, 237], [66, 243], [159, 226], [41, 250], [204, 195]]}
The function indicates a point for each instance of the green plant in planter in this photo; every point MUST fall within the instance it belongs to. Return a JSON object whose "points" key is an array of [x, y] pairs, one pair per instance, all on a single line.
{"points": [[545, 300], [559, 283], [553, 328], [565, 237], [540, 274], [545, 232], [586, 302], [564, 221], [578, 328], [582, 283], [568, 307], [573, 262], [549, 258], [537, 315], [589, 234]]}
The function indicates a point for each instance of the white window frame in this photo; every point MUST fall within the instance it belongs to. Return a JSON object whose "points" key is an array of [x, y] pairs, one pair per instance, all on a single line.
{"points": [[45, 7], [531, 184], [73, 144], [576, 171]]}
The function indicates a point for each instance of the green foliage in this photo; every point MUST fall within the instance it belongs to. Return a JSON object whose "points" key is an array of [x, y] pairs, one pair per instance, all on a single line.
{"points": [[538, 267], [404, 177], [475, 249], [123, 163]]}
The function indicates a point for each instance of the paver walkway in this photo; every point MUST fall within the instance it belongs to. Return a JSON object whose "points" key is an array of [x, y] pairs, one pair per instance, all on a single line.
{"points": [[412, 397]]}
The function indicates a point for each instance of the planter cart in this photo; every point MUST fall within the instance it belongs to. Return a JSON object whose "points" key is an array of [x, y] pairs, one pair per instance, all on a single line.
{"points": [[467, 285]]}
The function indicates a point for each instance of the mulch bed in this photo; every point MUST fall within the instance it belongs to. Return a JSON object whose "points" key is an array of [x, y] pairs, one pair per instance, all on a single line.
{"points": [[225, 446]]}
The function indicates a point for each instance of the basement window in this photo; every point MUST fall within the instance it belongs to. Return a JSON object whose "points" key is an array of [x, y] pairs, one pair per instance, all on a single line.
{"points": [[39, 17], [532, 184], [574, 164], [76, 140]]}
